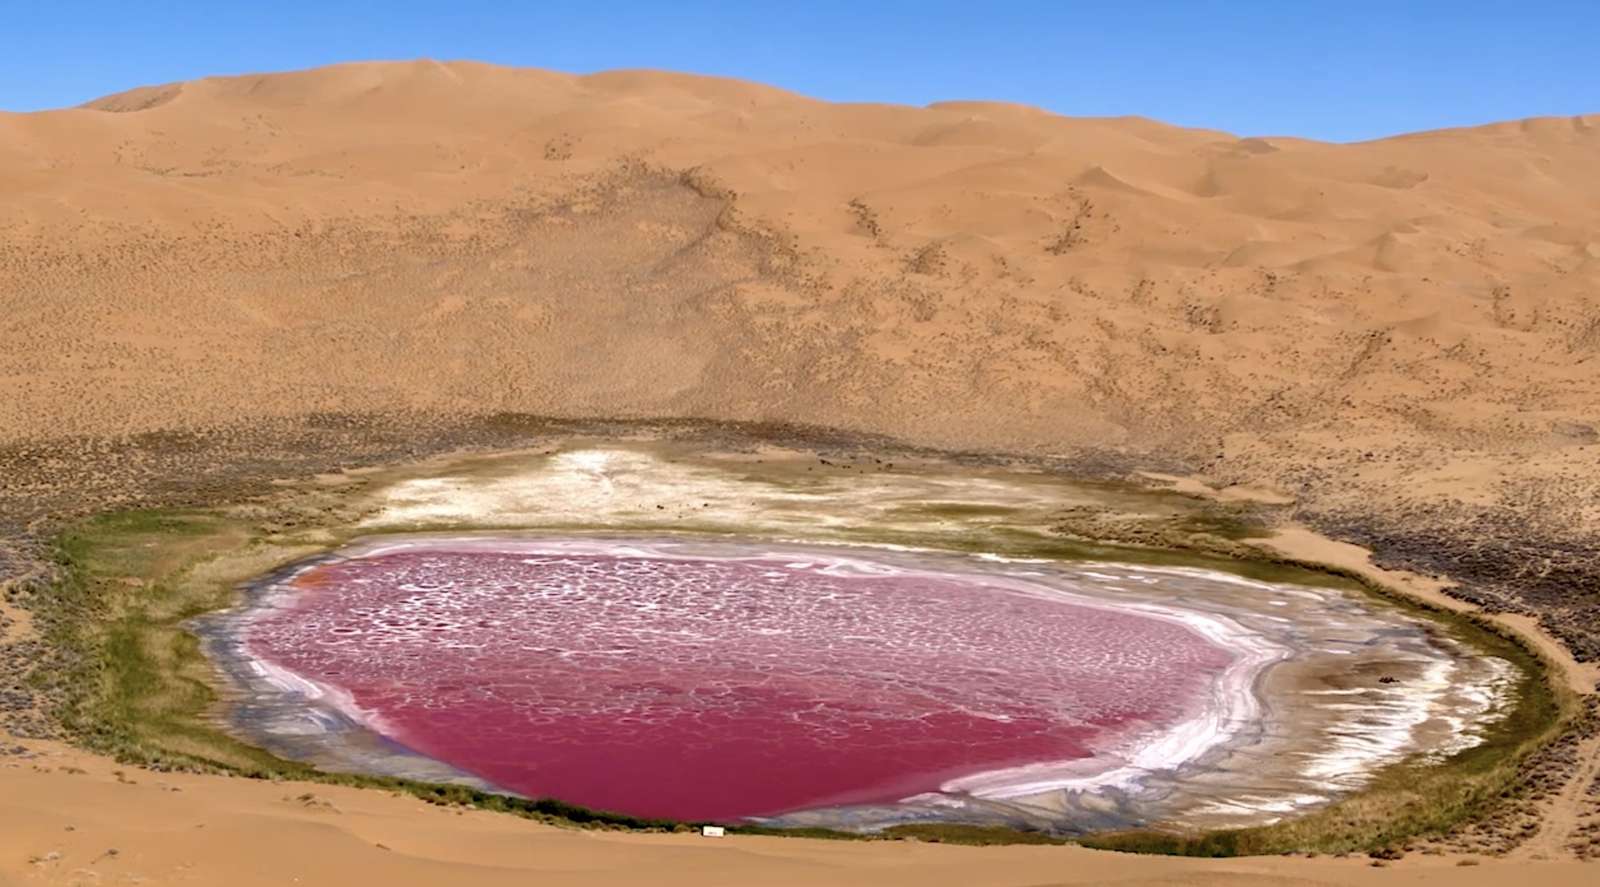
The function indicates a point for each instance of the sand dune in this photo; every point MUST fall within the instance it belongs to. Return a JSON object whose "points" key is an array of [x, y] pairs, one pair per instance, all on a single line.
{"points": [[254, 245], [1342, 322]]}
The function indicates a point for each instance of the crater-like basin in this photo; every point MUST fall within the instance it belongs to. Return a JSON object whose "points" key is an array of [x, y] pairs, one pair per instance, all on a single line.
{"points": [[712, 679]]}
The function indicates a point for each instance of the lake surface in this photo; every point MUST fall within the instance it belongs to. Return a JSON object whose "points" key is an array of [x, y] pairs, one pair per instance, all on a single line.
{"points": [[732, 682]]}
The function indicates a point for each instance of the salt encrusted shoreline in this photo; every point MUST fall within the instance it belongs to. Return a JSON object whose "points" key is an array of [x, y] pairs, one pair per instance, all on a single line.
{"points": [[1209, 765], [293, 716]]}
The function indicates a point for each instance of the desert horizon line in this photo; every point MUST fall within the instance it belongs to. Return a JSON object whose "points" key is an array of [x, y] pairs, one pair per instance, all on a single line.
{"points": [[1582, 119]]}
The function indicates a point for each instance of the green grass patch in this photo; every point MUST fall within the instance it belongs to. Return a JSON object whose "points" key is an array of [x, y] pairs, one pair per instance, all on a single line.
{"points": [[971, 835]]}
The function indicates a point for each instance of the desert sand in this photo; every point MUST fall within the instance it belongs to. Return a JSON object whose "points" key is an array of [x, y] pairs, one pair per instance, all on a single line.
{"points": [[1412, 321], [106, 825], [1398, 341]]}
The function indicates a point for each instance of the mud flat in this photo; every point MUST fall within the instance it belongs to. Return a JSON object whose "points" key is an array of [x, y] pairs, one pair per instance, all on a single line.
{"points": [[1317, 689]]}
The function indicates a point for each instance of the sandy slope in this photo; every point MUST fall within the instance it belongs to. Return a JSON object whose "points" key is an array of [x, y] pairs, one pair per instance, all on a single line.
{"points": [[1406, 329], [174, 829], [465, 236]]}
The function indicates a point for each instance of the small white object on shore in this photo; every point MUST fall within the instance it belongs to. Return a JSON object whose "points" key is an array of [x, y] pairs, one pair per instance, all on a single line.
{"points": [[711, 831]]}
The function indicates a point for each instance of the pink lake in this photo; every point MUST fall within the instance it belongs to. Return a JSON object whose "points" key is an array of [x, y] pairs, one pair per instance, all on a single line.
{"points": [[719, 688]]}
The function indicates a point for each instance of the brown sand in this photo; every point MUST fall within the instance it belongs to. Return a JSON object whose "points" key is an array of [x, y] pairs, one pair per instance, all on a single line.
{"points": [[177, 829], [1416, 318], [465, 236], [1399, 337]]}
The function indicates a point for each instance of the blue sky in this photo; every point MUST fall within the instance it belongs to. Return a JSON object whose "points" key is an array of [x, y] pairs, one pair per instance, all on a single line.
{"points": [[1331, 70]]}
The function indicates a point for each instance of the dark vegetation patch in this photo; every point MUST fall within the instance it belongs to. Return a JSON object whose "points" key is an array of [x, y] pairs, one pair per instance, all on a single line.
{"points": [[1540, 776], [971, 835], [1503, 562]]}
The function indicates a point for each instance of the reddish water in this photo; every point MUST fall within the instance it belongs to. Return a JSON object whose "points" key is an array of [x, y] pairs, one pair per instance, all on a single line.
{"points": [[718, 689]]}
